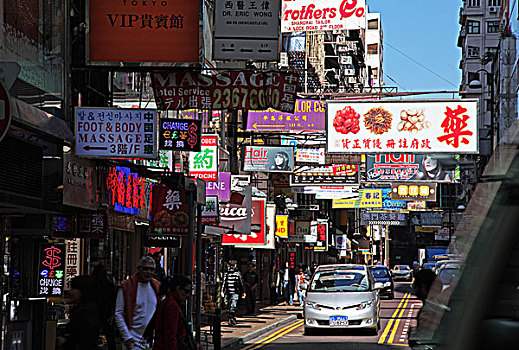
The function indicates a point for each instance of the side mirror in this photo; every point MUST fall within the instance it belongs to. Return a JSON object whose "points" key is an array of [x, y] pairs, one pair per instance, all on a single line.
{"points": [[378, 285]]}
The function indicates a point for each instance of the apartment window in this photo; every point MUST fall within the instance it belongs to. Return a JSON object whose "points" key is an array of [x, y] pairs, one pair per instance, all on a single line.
{"points": [[372, 49], [473, 3], [473, 51], [473, 27], [494, 2], [493, 27], [373, 24]]}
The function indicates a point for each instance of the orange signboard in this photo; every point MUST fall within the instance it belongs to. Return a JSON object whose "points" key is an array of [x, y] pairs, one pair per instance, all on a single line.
{"points": [[143, 31]]}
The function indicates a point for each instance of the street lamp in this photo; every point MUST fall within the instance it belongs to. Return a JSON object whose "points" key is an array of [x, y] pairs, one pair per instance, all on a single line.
{"points": [[476, 84]]}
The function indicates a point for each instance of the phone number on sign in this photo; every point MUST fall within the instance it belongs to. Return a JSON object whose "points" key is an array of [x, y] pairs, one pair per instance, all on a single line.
{"points": [[385, 222]]}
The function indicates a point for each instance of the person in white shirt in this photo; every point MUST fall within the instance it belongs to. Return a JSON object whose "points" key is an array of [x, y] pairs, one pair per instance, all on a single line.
{"points": [[137, 298]]}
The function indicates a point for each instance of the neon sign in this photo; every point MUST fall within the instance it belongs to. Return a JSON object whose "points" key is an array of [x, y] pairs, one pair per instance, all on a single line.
{"points": [[51, 270], [126, 190]]}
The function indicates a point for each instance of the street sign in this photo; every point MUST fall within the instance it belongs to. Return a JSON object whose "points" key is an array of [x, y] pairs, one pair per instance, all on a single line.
{"points": [[5, 111], [246, 30]]}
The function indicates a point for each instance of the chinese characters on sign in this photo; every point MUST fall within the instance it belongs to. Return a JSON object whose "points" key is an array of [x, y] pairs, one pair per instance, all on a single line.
{"points": [[126, 190], [319, 230], [63, 226], [51, 270], [180, 134], [367, 198], [73, 262], [204, 164], [384, 218], [92, 225], [413, 192], [116, 133], [210, 211], [282, 226], [339, 174], [230, 89], [411, 126], [169, 211]]}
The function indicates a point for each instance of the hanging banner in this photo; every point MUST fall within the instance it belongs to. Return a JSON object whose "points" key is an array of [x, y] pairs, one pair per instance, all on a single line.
{"points": [[220, 188], [257, 236], [411, 167], [169, 211], [410, 126], [115, 132], [51, 270], [366, 198], [204, 164], [313, 15], [308, 115], [154, 32], [414, 192], [180, 134], [268, 159], [73, 260], [230, 89], [330, 175], [282, 226]]}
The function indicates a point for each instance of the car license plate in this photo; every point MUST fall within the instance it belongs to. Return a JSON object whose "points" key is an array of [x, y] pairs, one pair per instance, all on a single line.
{"points": [[338, 320]]}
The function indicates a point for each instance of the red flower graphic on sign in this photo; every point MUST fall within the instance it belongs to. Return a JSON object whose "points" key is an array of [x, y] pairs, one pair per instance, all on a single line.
{"points": [[453, 126]]}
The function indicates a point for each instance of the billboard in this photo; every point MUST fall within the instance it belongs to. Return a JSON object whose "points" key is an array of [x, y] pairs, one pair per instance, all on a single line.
{"points": [[310, 155], [365, 198], [228, 89], [204, 164], [51, 270], [338, 174], [180, 134], [413, 192], [116, 132], [143, 31], [384, 218], [235, 215], [268, 159], [411, 167], [313, 15], [169, 211], [307, 115], [258, 232], [412, 126]]}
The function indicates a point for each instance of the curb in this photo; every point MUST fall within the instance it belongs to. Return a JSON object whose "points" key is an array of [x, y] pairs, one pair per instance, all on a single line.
{"points": [[233, 344]]}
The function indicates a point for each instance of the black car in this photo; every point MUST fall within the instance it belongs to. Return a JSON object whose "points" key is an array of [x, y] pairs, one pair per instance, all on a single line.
{"points": [[382, 274]]}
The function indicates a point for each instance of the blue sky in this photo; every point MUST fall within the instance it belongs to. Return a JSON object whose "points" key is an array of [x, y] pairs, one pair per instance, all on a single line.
{"points": [[423, 31]]}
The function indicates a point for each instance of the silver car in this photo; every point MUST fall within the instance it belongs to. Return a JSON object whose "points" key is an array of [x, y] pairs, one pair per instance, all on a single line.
{"points": [[342, 296]]}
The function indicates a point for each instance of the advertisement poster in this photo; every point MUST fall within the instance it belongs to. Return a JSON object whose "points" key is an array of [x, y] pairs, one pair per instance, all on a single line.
{"points": [[51, 270], [220, 188], [169, 211], [414, 192], [366, 198], [339, 174], [384, 218], [310, 155], [235, 215], [115, 133], [319, 230], [204, 164], [282, 226], [225, 90], [210, 211], [308, 115], [127, 191], [258, 233], [268, 159], [411, 126], [312, 15], [180, 134], [412, 167], [143, 31]]}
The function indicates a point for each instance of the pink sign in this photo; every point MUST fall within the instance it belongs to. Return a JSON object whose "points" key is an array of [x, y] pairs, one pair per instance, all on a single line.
{"points": [[220, 188]]}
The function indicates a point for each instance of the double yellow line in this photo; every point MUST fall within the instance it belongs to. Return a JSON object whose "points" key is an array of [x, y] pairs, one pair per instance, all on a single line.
{"points": [[395, 318], [275, 335]]}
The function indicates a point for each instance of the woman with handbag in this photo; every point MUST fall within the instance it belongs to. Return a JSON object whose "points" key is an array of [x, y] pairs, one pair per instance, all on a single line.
{"points": [[172, 331]]}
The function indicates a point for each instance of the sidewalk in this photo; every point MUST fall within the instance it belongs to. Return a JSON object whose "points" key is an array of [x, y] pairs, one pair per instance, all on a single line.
{"points": [[266, 319]]}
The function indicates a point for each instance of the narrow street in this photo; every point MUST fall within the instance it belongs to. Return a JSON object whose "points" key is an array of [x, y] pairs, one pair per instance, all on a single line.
{"points": [[397, 316]]}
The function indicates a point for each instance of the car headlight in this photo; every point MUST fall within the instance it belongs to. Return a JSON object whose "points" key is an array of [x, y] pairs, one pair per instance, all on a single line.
{"points": [[312, 305], [365, 304], [387, 284]]}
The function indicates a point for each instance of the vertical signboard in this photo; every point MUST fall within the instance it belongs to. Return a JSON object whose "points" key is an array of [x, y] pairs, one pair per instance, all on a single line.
{"points": [[210, 211], [127, 191], [73, 257], [319, 230], [79, 182], [204, 164], [169, 211], [282, 226], [51, 270]]}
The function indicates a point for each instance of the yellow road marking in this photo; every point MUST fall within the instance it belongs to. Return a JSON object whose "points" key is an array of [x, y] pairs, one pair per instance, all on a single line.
{"points": [[406, 345], [297, 325], [390, 323], [261, 341], [393, 333]]}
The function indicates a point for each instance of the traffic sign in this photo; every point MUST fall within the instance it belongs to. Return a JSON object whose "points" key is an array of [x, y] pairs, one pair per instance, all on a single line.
{"points": [[5, 111]]}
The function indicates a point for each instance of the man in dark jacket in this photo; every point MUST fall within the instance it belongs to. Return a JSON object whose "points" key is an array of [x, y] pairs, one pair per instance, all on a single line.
{"points": [[251, 284], [232, 287]]}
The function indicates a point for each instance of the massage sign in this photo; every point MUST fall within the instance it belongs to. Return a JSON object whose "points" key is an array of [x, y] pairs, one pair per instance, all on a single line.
{"points": [[51, 270]]}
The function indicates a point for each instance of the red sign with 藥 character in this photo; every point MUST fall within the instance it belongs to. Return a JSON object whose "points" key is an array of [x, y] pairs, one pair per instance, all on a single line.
{"points": [[228, 89], [169, 211]]}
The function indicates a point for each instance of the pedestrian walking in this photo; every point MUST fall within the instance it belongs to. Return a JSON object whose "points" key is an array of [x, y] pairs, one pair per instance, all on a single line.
{"points": [[300, 283], [82, 332], [171, 328], [250, 279], [105, 302], [313, 268], [159, 273], [232, 288], [288, 284], [273, 280], [137, 298]]}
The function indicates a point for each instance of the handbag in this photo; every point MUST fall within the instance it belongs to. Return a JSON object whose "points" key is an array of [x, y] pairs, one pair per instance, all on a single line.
{"points": [[187, 342]]}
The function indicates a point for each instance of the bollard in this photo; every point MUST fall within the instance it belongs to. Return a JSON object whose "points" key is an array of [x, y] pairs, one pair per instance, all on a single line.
{"points": [[217, 329]]}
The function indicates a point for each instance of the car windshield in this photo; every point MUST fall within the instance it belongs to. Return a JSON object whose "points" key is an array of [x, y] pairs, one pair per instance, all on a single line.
{"points": [[403, 267], [447, 274], [379, 272], [339, 281]]}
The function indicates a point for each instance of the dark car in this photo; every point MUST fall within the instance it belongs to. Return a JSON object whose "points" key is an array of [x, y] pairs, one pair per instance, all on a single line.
{"points": [[382, 274]]}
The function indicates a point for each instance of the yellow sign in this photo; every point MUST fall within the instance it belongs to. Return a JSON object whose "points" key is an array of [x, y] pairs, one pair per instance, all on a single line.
{"points": [[367, 198], [282, 226]]}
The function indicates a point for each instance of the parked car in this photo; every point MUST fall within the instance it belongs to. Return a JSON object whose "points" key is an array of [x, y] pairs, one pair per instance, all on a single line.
{"points": [[383, 275], [402, 272], [342, 296], [440, 263], [428, 265]]}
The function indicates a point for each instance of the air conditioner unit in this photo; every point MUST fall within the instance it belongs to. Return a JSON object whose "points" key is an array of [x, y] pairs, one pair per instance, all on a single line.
{"points": [[349, 72], [345, 60], [492, 9], [283, 59]]}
